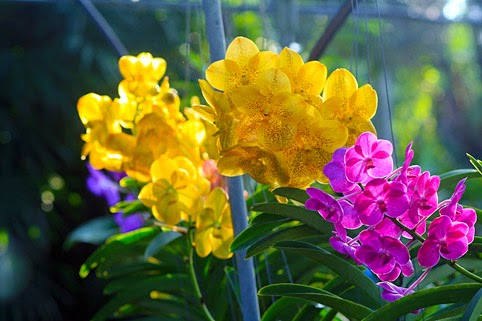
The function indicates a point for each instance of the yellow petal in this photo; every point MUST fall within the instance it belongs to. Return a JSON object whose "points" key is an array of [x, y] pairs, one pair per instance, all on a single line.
{"points": [[220, 246], [330, 135], [341, 83], [146, 195], [202, 241], [162, 168], [90, 107], [142, 67], [311, 78], [290, 62], [277, 135], [364, 102], [248, 100], [223, 74], [241, 50], [273, 81], [205, 219], [207, 113], [190, 199], [288, 107], [217, 200]]}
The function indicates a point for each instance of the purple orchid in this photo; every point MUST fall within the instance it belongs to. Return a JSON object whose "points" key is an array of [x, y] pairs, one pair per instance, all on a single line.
{"points": [[325, 204], [424, 199], [100, 184], [445, 239], [350, 219], [345, 245], [384, 255], [381, 198], [369, 158], [335, 171], [392, 292], [459, 214]]}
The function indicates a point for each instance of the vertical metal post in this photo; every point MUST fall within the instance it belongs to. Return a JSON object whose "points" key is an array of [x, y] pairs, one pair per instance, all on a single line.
{"points": [[244, 267]]}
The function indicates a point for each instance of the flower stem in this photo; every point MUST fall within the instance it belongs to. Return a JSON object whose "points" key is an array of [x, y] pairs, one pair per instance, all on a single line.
{"points": [[192, 274], [174, 228], [464, 271], [414, 234]]}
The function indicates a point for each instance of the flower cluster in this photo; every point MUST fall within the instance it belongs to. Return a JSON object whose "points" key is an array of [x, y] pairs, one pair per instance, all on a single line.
{"points": [[392, 208], [280, 119], [144, 134]]}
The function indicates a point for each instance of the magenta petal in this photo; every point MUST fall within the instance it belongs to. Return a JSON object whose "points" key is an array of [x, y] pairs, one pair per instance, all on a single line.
{"points": [[391, 292], [439, 227], [390, 276], [350, 218], [407, 269], [454, 250], [387, 228], [314, 204], [370, 237], [396, 249], [429, 253]]}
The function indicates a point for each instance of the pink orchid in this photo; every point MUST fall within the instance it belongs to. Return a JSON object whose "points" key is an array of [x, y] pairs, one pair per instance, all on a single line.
{"points": [[391, 292], [369, 158], [335, 171], [381, 198], [384, 255], [459, 214], [325, 204], [445, 239]]}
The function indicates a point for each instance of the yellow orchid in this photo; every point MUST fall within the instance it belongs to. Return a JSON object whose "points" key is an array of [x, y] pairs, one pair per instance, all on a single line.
{"points": [[214, 229], [260, 164], [141, 74], [175, 190], [105, 143], [352, 106], [307, 79], [243, 64], [273, 122]]}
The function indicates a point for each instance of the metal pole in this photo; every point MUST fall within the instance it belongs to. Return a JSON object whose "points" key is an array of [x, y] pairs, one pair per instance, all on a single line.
{"points": [[244, 267]]}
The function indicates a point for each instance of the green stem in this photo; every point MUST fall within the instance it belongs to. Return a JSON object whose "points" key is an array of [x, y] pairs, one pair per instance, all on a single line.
{"points": [[414, 234], [451, 263], [192, 274], [465, 272]]}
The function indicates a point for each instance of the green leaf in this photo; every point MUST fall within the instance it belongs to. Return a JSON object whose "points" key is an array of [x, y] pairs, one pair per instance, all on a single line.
{"points": [[299, 213], [262, 194], [115, 247], [160, 241], [476, 163], [284, 306], [346, 307], [95, 231], [342, 267], [129, 207], [269, 218], [308, 312], [474, 308], [291, 233], [425, 298], [450, 311], [167, 282], [252, 234], [296, 194], [134, 236], [450, 179]]}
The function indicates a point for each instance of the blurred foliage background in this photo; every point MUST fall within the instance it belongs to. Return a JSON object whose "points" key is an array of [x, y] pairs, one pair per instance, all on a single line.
{"points": [[423, 57]]}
